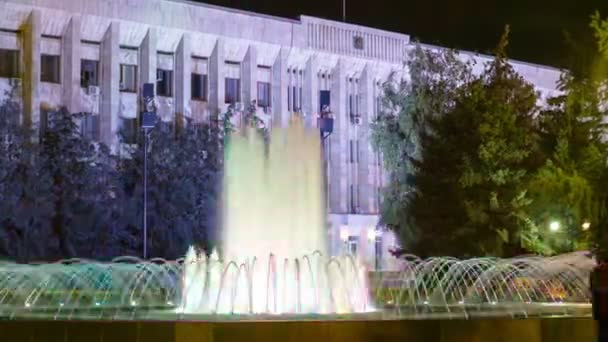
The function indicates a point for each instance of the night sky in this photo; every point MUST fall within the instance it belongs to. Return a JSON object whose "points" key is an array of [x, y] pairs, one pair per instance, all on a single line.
{"points": [[537, 26]]}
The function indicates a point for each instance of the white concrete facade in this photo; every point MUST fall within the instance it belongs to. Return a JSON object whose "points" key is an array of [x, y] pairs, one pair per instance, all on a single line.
{"points": [[298, 58]]}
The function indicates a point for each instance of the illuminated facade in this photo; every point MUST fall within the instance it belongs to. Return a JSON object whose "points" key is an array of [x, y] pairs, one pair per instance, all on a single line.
{"points": [[93, 57]]}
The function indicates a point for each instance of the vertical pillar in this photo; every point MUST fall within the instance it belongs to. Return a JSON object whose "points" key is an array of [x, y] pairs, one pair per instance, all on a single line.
{"points": [[31, 77], [183, 85], [147, 59], [250, 69], [71, 65], [366, 160], [338, 188], [216, 78], [279, 89], [110, 78], [310, 101]]}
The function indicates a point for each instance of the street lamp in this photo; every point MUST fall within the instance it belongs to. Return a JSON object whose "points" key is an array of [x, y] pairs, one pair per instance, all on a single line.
{"points": [[554, 226], [148, 120], [344, 234], [326, 126], [586, 225]]}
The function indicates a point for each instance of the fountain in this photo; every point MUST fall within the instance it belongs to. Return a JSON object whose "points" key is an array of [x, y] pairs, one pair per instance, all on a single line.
{"points": [[274, 236], [274, 262]]}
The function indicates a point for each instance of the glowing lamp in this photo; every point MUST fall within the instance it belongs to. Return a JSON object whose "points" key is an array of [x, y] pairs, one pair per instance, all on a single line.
{"points": [[554, 226]]}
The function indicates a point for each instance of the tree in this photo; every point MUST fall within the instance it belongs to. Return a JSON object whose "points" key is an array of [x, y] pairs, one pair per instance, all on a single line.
{"points": [[25, 192], [475, 150], [85, 189], [183, 188], [436, 79]]}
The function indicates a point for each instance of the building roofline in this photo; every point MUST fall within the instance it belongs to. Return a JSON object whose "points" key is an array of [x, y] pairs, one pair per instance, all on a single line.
{"points": [[515, 61], [237, 11]]}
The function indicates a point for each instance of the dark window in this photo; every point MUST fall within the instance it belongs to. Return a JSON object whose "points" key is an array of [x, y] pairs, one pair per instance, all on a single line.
{"points": [[358, 42], [129, 131], [164, 82], [294, 96], [289, 100], [351, 151], [128, 78], [199, 87], [356, 151], [89, 126], [9, 63], [352, 243], [351, 105], [324, 99], [300, 102], [233, 90], [263, 94], [378, 250], [50, 67], [44, 123], [89, 73]]}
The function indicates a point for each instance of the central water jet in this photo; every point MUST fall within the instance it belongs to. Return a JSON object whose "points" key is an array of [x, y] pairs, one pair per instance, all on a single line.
{"points": [[274, 238]]}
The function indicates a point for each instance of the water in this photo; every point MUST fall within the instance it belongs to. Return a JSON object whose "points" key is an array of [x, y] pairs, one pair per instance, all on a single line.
{"points": [[274, 236], [275, 262], [129, 288]]}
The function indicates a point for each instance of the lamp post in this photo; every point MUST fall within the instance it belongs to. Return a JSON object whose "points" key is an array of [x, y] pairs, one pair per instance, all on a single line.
{"points": [[148, 120]]}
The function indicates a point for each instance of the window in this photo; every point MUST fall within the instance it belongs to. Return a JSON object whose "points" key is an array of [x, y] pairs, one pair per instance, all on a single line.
{"points": [[50, 69], [164, 82], [378, 251], [358, 42], [351, 105], [263, 94], [233, 90], [357, 151], [89, 126], [199, 87], [9, 63], [89, 73], [324, 99], [289, 100], [353, 206], [351, 245], [129, 131], [128, 78]]}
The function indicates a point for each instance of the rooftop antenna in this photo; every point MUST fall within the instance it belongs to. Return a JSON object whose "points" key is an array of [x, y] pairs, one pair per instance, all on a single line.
{"points": [[344, 10]]}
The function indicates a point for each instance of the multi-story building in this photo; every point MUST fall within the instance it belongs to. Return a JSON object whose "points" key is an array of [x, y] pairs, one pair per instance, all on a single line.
{"points": [[93, 56]]}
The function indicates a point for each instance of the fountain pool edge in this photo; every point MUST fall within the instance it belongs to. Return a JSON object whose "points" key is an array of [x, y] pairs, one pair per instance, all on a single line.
{"points": [[482, 329]]}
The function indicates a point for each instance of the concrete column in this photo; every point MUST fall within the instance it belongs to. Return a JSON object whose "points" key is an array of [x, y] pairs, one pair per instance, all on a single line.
{"points": [[250, 70], [183, 85], [70, 58], [31, 77], [279, 89], [147, 60], [216, 78], [366, 156], [310, 101], [338, 168], [110, 92]]}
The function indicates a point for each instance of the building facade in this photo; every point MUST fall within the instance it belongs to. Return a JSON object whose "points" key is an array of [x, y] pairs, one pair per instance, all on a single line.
{"points": [[93, 56]]}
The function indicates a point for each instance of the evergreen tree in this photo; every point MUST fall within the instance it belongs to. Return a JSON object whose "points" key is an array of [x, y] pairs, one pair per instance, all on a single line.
{"points": [[436, 79], [475, 156]]}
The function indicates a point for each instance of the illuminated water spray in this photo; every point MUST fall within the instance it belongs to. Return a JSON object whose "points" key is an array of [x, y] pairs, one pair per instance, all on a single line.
{"points": [[274, 236]]}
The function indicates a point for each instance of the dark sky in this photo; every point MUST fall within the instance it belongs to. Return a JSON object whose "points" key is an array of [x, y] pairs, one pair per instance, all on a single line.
{"points": [[537, 26]]}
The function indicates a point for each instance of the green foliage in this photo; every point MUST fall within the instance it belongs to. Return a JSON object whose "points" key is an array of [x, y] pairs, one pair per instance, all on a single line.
{"points": [[26, 201], [183, 180], [436, 78], [472, 144]]}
